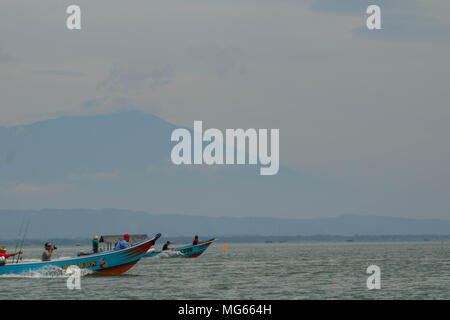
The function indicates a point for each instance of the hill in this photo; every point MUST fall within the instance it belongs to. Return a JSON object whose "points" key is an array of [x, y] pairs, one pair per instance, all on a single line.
{"points": [[83, 223]]}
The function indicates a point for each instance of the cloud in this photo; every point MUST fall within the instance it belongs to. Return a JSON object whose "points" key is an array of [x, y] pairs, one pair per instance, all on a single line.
{"points": [[116, 103], [59, 73], [32, 189], [108, 104], [126, 78], [96, 176], [221, 60]]}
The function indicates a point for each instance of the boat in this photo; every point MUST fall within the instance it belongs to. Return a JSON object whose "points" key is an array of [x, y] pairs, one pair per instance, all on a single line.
{"points": [[189, 251], [104, 263]]}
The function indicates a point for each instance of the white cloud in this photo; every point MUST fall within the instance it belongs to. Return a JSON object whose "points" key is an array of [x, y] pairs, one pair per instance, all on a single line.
{"points": [[95, 176], [32, 189], [132, 77]]}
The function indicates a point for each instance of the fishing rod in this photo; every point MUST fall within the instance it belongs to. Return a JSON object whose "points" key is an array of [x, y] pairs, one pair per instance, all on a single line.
{"points": [[23, 240], [20, 232]]}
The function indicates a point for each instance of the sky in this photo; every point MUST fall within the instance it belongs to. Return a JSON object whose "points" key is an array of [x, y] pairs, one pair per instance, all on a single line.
{"points": [[365, 109]]}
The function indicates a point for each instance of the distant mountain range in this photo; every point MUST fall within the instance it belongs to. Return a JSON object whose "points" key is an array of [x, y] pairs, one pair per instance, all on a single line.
{"points": [[83, 223]]}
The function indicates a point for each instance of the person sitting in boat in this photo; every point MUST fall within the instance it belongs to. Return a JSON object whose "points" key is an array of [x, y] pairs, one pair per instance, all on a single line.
{"points": [[166, 246], [123, 244], [196, 241], [95, 244], [4, 255], [47, 254]]}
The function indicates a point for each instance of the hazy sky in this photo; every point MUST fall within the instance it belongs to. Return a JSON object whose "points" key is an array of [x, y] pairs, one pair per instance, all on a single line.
{"points": [[369, 109]]}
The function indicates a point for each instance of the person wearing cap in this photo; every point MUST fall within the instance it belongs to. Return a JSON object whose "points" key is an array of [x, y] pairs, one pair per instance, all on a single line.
{"points": [[4, 255], [47, 254], [196, 241], [166, 246], [123, 244], [95, 244]]}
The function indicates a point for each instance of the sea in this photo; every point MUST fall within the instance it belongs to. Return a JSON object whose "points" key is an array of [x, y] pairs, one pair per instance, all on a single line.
{"points": [[279, 271]]}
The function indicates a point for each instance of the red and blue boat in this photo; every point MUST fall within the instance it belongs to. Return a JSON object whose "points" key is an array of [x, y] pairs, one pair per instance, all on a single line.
{"points": [[188, 251], [104, 263]]}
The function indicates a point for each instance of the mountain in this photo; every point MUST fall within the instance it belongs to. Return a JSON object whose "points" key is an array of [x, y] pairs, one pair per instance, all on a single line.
{"points": [[123, 160], [49, 150], [79, 223]]}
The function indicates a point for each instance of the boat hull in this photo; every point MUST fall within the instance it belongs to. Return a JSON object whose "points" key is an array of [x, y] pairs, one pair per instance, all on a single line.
{"points": [[190, 251], [105, 263]]}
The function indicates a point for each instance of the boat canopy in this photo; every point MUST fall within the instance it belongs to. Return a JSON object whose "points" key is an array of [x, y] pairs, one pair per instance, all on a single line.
{"points": [[114, 239]]}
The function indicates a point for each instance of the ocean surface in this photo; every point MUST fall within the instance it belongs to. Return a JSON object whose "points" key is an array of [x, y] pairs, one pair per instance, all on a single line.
{"points": [[409, 270]]}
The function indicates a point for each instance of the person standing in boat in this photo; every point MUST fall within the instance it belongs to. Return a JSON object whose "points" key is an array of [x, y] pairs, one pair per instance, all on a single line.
{"points": [[4, 255], [196, 241], [47, 254], [124, 243], [95, 244]]}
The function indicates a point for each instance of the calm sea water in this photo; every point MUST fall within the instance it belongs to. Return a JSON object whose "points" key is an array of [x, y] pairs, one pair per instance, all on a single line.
{"points": [[412, 270]]}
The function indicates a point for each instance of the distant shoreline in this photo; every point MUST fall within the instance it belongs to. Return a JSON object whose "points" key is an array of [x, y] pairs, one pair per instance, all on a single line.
{"points": [[255, 239]]}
